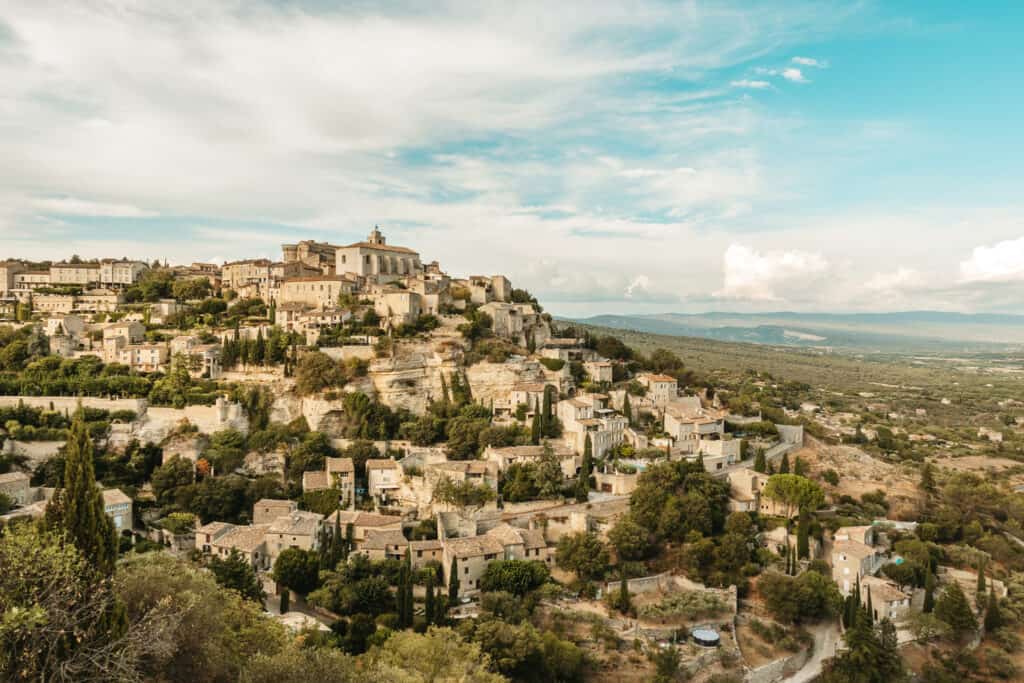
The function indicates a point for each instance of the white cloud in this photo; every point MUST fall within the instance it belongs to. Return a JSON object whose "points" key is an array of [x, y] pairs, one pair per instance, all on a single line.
{"points": [[773, 275], [81, 207], [795, 75], [1000, 262], [755, 85], [810, 61], [899, 279]]}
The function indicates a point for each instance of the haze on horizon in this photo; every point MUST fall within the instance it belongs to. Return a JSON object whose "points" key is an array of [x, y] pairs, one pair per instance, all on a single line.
{"points": [[668, 156]]}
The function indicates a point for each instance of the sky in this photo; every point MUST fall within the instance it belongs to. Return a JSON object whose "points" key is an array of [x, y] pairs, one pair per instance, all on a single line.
{"points": [[612, 157]]}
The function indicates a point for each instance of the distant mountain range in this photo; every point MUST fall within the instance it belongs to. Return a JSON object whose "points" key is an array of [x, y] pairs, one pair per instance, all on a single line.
{"points": [[926, 331]]}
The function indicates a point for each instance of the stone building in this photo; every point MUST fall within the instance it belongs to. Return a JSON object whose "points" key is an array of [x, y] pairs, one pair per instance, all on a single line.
{"points": [[377, 260], [318, 291]]}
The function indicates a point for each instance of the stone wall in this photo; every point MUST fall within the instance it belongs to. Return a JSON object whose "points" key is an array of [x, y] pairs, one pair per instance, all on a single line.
{"points": [[60, 403]]}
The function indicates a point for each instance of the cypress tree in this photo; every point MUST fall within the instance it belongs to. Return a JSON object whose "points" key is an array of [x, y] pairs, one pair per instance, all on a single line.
{"points": [[803, 544], [586, 467], [535, 427], [285, 597], [400, 594], [784, 465], [453, 582], [759, 462], [259, 351], [625, 604], [871, 609], [627, 410], [407, 617], [927, 478], [981, 583], [929, 591], [78, 507], [428, 605], [993, 617]]}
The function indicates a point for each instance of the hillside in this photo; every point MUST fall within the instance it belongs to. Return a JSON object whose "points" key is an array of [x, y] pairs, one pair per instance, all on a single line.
{"points": [[913, 331]]}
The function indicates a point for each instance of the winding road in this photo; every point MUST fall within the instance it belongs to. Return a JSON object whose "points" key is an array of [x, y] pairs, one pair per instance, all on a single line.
{"points": [[826, 638]]}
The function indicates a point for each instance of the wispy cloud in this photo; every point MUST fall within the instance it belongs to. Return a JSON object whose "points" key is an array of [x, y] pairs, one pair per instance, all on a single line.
{"points": [[811, 62], [795, 75], [753, 84]]}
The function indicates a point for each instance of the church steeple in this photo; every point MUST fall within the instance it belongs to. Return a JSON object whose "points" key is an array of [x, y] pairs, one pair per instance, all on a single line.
{"points": [[375, 236]]}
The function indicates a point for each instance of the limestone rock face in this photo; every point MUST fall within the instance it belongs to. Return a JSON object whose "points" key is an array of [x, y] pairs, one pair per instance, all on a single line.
{"points": [[493, 382]]}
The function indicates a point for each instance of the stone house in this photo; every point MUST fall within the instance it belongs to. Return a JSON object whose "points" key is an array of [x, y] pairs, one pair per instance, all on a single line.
{"points": [[686, 419], [238, 274], [121, 272], [887, 600], [144, 357], [852, 560], [220, 538], [660, 388], [363, 523], [383, 475], [503, 542], [384, 545], [338, 473], [397, 306], [297, 529], [587, 416], [118, 507], [266, 510], [599, 370], [519, 323], [503, 457]]}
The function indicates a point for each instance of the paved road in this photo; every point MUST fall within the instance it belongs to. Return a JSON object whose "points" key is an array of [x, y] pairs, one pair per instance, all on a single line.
{"points": [[826, 638]]}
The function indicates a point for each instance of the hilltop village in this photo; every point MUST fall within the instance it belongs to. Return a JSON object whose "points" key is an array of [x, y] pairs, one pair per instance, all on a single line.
{"points": [[365, 446]]}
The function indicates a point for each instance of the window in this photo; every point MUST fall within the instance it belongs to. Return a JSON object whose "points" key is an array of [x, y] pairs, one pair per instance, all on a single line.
{"points": [[465, 570]]}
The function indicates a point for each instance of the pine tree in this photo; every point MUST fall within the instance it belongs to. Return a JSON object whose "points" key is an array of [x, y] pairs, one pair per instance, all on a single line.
{"points": [[952, 607], [627, 410], [285, 597], [929, 591], [78, 507], [993, 617], [428, 605], [784, 465], [759, 462], [453, 582]]}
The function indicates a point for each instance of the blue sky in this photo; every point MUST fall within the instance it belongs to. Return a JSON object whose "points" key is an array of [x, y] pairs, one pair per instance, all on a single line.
{"points": [[611, 157]]}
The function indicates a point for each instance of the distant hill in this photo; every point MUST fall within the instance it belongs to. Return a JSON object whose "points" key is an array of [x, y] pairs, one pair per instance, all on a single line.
{"points": [[910, 331]]}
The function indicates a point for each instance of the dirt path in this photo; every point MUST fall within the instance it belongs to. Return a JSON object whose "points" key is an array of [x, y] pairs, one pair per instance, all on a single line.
{"points": [[826, 638]]}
